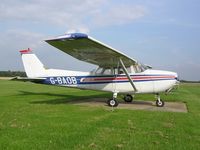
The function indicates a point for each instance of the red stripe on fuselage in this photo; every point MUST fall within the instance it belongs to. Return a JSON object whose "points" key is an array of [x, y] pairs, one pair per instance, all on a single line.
{"points": [[125, 78]]}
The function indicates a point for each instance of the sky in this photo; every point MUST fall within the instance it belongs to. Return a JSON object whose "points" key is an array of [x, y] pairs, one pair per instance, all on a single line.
{"points": [[162, 33]]}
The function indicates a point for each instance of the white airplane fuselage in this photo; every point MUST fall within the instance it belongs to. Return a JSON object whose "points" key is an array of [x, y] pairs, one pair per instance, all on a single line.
{"points": [[149, 81]]}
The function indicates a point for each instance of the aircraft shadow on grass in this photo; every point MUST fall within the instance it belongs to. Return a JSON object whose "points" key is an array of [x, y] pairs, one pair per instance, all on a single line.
{"points": [[73, 99], [61, 98]]}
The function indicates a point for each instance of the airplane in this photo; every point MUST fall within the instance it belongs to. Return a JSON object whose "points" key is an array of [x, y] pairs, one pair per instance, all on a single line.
{"points": [[116, 72]]}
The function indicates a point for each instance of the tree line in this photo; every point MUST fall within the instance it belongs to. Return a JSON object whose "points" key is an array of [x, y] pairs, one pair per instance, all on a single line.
{"points": [[187, 81], [12, 73]]}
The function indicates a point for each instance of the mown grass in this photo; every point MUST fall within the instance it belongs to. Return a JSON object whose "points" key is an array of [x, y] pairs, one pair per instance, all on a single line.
{"points": [[34, 116]]}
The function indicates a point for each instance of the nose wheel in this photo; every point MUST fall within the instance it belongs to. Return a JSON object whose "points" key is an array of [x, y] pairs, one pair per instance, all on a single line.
{"points": [[159, 102], [113, 102]]}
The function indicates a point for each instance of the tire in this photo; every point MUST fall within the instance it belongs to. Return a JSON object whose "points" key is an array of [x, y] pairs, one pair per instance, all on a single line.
{"points": [[160, 104], [128, 98], [112, 103]]}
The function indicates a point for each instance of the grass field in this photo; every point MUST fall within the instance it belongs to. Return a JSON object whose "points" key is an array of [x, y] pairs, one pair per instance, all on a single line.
{"points": [[36, 116]]}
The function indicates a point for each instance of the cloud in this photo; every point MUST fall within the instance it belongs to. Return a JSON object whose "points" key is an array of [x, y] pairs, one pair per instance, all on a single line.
{"points": [[119, 15], [76, 15], [19, 38], [23, 23], [14, 40]]}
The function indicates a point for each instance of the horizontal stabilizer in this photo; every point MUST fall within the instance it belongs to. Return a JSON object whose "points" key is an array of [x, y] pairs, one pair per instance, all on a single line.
{"points": [[25, 79]]}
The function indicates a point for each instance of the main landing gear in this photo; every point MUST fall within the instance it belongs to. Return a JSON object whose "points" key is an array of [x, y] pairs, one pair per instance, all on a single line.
{"points": [[159, 102], [114, 103], [128, 98]]}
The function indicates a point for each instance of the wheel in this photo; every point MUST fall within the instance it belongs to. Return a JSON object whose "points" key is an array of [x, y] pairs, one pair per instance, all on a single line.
{"points": [[112, 102], [128, 98], [160, 103]]}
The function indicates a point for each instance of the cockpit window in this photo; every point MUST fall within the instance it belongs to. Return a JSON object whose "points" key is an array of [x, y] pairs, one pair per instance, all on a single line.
{"points": [[142, 67], [139, 68]]}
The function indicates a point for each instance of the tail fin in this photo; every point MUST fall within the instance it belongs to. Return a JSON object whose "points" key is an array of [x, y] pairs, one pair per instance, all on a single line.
{"points": [[32, 65]]}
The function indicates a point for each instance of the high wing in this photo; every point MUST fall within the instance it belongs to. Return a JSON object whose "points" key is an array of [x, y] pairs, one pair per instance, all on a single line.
{"points": [[87, 49]]}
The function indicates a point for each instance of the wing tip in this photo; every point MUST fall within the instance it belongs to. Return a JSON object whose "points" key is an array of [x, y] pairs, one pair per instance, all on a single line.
{"points": [[70, 36]]}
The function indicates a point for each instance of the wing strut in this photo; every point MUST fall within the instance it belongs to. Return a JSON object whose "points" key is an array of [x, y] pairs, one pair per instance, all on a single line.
{"points": [[127, 74]]}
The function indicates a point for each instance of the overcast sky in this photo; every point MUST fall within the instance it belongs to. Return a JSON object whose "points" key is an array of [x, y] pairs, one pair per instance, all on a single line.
{"points": [[162, 33]]}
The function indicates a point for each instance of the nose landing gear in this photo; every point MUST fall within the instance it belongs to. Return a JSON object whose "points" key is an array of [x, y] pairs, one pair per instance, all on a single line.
{"points": [[159, 102], [113, 101]]}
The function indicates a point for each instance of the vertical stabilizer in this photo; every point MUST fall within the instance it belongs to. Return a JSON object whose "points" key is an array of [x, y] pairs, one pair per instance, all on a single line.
{"points": [[32, 65]]}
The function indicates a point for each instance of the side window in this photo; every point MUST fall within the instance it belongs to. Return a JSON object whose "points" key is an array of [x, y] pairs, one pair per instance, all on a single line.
{"points": [[107, 72], [99, 71], [129, 69], [115, 70], [120, 71]]}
